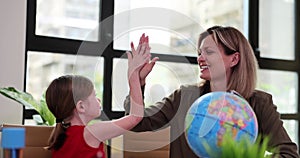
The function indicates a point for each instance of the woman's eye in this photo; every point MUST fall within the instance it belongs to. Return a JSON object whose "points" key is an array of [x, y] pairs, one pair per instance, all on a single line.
{"points": [[205, 52], [199, 52], [209, 52]]}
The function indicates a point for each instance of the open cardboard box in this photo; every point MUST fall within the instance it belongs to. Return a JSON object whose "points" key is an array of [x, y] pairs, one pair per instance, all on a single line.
{"points": [[147, 144], [36, 139]]}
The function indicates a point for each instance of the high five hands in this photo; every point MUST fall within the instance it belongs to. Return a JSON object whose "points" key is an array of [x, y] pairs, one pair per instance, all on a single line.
{"points": [[137, 58], [143, 48]]}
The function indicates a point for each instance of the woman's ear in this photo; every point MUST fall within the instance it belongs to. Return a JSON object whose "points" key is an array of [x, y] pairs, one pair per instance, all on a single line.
{"points": [[80, 106], [235, 59]]}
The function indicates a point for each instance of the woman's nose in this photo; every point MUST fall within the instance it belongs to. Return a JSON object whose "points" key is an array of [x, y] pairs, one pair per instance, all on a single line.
{"points": [[200, 58]]}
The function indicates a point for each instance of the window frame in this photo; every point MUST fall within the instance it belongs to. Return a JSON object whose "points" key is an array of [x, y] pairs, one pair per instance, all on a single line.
{"points": [[277, 64], [270, 63], [69, 46]]}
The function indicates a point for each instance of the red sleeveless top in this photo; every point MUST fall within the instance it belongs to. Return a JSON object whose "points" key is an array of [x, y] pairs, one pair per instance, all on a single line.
{"points": [[76, 147]]}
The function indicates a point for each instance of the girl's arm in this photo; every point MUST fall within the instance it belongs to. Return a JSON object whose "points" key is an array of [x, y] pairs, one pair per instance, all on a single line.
{"points": [[104, 130]]}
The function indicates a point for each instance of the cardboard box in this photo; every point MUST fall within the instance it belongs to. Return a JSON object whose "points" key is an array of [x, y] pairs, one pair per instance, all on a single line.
{"points": [[147, 144], [36, 139]]}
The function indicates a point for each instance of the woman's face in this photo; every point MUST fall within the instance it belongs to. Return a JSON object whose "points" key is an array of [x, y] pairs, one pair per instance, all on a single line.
{"points": [[214, 64]]}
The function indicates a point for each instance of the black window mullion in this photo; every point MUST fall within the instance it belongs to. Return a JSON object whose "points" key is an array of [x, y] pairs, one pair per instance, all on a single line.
{"points": [[254, 26], [55, 45], [277, 64], [106, 35]]}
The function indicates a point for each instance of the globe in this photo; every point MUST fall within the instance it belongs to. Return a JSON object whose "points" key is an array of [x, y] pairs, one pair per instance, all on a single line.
{"points": [[213, 115]]}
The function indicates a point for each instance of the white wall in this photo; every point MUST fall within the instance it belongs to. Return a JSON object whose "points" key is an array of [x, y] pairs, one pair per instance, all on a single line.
{"points": [[12, 55]]}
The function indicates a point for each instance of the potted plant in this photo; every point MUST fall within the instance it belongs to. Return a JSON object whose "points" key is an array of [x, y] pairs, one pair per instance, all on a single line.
{"points": [[45, 117], [231, 148]]}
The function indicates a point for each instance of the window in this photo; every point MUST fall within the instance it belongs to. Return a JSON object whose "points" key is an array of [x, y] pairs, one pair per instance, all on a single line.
{"points": [[277, 29], [275, 42], [284, 95], [173, 25], [42, 68], [71, 19], [58, 33], [174, 74], [90, 37]]}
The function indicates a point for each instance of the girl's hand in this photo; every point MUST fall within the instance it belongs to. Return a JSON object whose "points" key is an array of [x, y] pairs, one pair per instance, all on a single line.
{"points": [[148, 66], [137, 58]]}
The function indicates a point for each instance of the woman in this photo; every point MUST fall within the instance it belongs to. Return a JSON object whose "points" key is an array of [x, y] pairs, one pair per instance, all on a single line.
{"points": [[73, 102], [227, 62]]}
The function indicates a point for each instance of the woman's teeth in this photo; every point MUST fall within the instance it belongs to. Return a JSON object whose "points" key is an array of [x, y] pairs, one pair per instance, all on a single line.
{"points": [[204, 67]]}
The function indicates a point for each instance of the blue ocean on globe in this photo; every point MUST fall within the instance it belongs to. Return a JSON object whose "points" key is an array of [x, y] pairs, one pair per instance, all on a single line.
{"points": [[214, 114]]}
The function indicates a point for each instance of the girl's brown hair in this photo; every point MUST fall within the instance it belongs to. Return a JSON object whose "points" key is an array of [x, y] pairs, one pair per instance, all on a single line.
{"points": [[243, 77], [61, 97]]}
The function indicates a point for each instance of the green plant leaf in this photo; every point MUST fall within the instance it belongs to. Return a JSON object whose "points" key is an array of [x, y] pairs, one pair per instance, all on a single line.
{"points": [[45, 112], [28, 101], [231, 148], [23, 98]]}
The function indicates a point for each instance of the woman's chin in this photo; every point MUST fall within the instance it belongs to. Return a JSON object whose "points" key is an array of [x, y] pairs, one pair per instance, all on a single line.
{"points": [[204, 77]]}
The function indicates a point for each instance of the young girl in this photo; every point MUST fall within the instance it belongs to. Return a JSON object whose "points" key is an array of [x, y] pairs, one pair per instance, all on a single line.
{"points": [[73, 102]]}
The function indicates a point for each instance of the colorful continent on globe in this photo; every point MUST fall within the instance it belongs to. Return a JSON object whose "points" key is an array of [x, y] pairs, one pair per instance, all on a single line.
{"points": [[232, 117]]}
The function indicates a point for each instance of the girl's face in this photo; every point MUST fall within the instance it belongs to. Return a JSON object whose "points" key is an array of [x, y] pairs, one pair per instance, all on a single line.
{"points": [[93, 106], [214, 64]]}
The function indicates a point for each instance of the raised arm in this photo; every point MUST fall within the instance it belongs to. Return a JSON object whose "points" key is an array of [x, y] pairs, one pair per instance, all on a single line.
{"points": [[137, 59], [145, 70]]}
